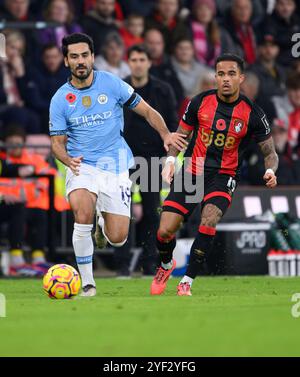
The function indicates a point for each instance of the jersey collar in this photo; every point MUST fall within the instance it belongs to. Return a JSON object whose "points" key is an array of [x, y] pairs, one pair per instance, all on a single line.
{"points": [[86, 87], [228, 103]]}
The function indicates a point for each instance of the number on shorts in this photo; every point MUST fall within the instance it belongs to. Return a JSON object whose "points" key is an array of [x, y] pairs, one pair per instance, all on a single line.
{"points": [[126, 195], [231, 184]]}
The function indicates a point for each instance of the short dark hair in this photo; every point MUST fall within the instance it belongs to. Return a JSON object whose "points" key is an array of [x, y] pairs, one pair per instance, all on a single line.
{"points": [[49, 46], [14, 129], [76, 38], [140, 48], [231, 58]]}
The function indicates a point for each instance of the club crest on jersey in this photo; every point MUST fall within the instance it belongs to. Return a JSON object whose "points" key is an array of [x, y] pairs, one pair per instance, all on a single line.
{"points": [[86, 101], [102, 99], [238, 125]]}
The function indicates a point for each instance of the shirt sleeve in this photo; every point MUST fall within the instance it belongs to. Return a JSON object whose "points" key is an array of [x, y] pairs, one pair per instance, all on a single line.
{"points": [[57, 119], [128, 97], [259, 124], [189, 119]]}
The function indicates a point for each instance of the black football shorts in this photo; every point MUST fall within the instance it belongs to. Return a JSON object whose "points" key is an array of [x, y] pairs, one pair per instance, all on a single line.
{"points": [[215, 188]]}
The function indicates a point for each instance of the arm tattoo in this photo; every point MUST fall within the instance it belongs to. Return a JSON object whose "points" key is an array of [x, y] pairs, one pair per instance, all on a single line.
{"points": [[270, 155], [173, 151]]}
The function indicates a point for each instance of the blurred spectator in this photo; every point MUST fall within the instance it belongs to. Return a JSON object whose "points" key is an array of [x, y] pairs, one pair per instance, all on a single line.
{"points": [[270, 74], [100, 22], [251, 88], [12, 68], [161, 64], [293, 86], [145, 142], [188, 70], [205, 31], [166, 19], [85, 6], [60, 11], [16, 10], [283, 23], [112, 56], [206, 82], [33, 194], [133, 30], [260, 8], [238, 35], [39, 84], [288, 169]]}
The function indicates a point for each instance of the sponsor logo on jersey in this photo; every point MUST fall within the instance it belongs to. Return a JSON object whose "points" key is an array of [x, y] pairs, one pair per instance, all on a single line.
{"points": [[102, 99], [90, 120], [86, 101]]}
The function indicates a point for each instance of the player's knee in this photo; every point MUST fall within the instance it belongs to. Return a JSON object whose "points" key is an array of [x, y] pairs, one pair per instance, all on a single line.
{"points": [[165, 232], [209, 221], [83, 217], [211, 215], [117, 241]]}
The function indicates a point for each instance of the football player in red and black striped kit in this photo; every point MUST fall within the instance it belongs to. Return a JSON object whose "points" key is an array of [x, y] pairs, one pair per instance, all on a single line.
{"points": [[221, 123]]}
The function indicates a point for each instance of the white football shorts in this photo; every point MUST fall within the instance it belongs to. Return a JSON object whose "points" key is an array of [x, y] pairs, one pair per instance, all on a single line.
{"points": [[113, 190]]}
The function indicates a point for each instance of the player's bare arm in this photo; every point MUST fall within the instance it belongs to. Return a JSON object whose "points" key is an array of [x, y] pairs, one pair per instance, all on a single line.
{"points": [[169, 168], [153, 117], [58, 146], [271, 161]]}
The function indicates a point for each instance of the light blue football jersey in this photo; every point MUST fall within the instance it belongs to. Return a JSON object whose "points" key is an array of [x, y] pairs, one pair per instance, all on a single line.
{"points": [[92, 118]]}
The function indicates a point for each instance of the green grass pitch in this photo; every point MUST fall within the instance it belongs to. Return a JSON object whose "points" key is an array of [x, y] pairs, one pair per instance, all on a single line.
{"points": [[227, 316]]}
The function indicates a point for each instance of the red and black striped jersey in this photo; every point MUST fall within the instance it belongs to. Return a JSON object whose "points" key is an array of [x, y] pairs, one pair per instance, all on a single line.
{"points": [[221, 132]]}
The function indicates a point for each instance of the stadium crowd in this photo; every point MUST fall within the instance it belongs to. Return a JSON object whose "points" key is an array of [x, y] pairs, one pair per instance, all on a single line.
{"points": [[183, 38]]}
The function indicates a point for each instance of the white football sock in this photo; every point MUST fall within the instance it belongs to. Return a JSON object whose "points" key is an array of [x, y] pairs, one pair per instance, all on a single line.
{"points": [[187, 279], [84, 250], [167, 266]]}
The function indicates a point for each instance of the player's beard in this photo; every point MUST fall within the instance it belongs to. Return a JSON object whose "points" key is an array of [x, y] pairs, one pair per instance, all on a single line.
{"points": [[82, 77]]}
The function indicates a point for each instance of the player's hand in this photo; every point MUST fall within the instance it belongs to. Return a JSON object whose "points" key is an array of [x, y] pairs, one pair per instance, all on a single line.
{"points": [[75, 163], [177, 140], [26, 171], [270, 178], [168, 172]]}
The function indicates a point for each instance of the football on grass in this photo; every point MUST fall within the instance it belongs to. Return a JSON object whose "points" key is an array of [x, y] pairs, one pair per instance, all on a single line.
{"points": [[61, 282]]}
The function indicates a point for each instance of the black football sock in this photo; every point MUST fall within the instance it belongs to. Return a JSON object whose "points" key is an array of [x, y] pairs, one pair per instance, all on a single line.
{"points": [[199, 250], [165, 247]]}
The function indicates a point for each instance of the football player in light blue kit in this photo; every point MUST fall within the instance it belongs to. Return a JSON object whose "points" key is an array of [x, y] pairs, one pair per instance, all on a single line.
{"points": [[86, 124]]}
